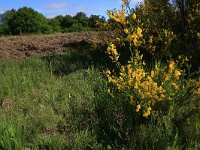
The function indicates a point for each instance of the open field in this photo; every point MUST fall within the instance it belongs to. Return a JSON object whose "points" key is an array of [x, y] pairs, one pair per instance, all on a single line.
{"points": [[41, 45]]}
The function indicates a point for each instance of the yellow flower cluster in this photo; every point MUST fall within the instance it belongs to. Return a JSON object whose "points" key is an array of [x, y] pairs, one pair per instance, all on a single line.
{"points": [[135, 36], [146, 88], [112, 52], [118, 16], [151, 90]]}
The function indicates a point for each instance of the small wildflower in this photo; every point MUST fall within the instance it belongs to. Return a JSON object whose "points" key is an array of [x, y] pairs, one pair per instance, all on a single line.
{"points": [[171, 65], [139, 32], [118, 39], [126, 31], [166, 78], [152, 73], [146, 114], [149, 109], [138, 107], [177, 74], [175, 86], [134, 16], [162, 96]]}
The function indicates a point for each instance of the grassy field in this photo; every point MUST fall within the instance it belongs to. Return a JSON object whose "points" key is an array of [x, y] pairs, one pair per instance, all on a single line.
{"points": [[60, 102]]}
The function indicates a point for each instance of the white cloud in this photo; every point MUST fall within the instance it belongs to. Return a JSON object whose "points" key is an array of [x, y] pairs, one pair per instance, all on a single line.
{"points": [[56, 5]]}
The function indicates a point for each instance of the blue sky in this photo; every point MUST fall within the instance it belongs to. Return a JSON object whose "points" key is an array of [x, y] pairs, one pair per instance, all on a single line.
{"points": [[52, 8]]}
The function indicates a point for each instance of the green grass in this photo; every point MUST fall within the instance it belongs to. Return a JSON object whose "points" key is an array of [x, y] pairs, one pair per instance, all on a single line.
{"points": [[42, 110], [59, 102]]}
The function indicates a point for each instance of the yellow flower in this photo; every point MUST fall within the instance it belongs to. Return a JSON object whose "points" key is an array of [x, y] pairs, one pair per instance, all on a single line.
{"points": [[149, 109], [171, 65], [146, 114], [162, 96], [112, 51], [135, 41], [175, 86], [126, 31], [118, 39], [108, 72], [130, 81], [138, 107], [139, 32], [152, 73], [130, 37], [133, 16], [177, 74], [166, 78]]}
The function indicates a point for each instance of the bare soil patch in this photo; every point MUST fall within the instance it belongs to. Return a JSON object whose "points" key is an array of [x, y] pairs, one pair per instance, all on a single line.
{"points": [[41, 45]]}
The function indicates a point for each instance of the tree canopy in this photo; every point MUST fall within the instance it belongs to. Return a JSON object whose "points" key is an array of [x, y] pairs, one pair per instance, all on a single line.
{"points": [[27, 21]]}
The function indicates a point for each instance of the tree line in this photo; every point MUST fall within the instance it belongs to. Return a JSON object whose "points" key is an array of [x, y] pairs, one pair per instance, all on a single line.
{"points": [[28, 21]]}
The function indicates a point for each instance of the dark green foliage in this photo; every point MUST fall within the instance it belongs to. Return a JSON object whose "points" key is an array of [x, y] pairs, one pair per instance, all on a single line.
{"points": [[68, 21], [93, 20], [27, 20], [5, 22], [187, 26], [82, 19], [55, 24]]}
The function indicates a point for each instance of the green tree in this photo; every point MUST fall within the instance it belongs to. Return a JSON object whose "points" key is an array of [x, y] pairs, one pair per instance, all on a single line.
{"points": [[55, 24], [68, 21], [82, 19], [26, 20], [5, 21], [93, 21]]}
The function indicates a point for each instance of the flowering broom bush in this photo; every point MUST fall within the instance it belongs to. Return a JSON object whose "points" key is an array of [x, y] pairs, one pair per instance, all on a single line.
{"points": [[143, 85], [146, 98]]}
